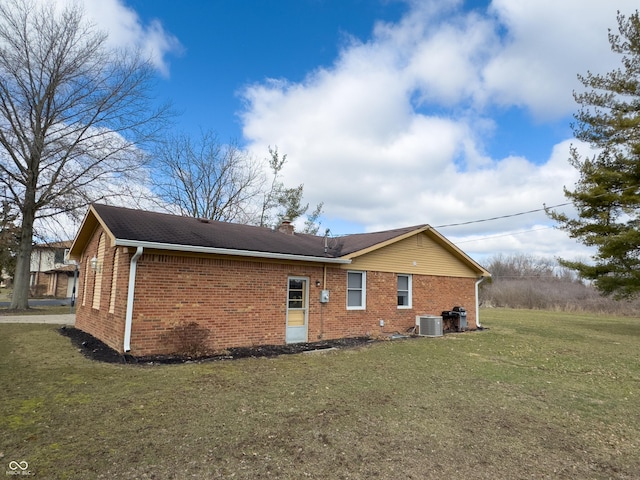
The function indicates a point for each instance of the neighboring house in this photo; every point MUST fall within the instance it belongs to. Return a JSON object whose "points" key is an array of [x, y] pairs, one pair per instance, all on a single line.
{"points": [[51, 275], [5, 280], [149, 279]]}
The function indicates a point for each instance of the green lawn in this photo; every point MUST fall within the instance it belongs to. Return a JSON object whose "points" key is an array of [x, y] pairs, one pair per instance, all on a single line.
{"points": [[537, 395]]}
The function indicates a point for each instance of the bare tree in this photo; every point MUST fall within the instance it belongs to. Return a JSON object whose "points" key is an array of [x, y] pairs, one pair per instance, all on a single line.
{"points": [[205, 178], [520, 265], [72, 114]]}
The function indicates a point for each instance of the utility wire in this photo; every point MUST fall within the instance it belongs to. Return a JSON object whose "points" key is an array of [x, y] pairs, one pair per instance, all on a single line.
{"points": [[503, 216], [500, 217], [504, 235], [633, 187], [336, 235]]}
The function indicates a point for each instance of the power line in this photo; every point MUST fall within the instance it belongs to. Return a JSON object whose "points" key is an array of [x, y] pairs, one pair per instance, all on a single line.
{"points": [[504, 235], [511, 215], [544, 207], [503, 216], [336, 235]]}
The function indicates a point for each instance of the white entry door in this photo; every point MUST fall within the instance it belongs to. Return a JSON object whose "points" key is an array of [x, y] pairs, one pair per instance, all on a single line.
{"points": [[297, 309]]}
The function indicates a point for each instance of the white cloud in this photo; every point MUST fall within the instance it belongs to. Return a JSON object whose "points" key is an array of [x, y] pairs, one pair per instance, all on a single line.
{"points": [[547, 43], [393, 133], [126, 29]]}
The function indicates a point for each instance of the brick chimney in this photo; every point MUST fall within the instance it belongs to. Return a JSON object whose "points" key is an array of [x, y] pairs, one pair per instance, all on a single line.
{"points": [[286, 226]]}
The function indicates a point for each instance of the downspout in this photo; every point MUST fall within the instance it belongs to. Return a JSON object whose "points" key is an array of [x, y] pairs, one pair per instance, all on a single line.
{"points": [[480, 280], [132, 284]]}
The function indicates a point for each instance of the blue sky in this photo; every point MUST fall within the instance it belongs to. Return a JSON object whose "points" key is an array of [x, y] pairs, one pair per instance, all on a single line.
{"points": [[391, 112], [226, 45]]}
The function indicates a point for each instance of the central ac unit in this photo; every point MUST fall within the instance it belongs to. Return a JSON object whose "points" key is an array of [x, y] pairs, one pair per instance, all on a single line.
{"points": [[429, 325]]}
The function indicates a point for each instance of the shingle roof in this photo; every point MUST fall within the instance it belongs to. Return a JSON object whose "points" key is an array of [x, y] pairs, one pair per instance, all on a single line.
{"points": [[161, 228]]}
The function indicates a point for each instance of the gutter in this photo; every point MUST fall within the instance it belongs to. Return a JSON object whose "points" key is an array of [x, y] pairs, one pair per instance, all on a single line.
{"points": [[480, 280], [228, 251], [132, 283]]}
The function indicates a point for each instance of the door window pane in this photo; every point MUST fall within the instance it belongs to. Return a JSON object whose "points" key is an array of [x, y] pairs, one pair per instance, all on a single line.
{"points": [[296, 293]]}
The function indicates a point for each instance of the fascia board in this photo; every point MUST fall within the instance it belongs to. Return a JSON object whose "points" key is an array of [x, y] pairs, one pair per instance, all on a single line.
{"points": [[227, 251], [87, 228]]}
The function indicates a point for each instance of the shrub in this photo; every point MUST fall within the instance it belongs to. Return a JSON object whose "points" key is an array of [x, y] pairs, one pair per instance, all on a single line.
{"points": [[189, 339]]}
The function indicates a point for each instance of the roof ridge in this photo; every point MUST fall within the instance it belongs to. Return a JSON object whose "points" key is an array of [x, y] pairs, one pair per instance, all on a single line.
{"points": [[399, 229]]}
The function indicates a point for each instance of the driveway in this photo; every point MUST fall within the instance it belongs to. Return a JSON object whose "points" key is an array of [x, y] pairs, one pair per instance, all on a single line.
{"points": [[42, 302], [61, 319]]}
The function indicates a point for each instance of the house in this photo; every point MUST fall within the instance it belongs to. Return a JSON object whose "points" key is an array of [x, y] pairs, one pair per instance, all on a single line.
{"points": [[51, 273], [148, 279]]}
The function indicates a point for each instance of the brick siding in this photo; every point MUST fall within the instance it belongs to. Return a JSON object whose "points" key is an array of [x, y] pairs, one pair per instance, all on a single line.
{"points": [[218, 302]]}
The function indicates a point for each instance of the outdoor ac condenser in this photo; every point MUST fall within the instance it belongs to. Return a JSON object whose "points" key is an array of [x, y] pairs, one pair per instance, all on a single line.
{"points": [[429, 325]]}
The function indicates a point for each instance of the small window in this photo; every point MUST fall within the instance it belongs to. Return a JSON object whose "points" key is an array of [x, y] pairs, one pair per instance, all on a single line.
{"points": [[58, 255], [356, 290], [404, 291]]}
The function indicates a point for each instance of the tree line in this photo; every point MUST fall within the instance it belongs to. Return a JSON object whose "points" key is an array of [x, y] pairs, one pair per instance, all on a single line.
{"points": [[527, 281]]}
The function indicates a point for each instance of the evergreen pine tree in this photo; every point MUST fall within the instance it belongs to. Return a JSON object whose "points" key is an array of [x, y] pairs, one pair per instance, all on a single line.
{"points": [[607, 194]]}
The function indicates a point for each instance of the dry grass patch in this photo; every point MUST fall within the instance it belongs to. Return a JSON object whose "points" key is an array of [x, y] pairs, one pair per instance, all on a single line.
{"points": [[538, 395]]}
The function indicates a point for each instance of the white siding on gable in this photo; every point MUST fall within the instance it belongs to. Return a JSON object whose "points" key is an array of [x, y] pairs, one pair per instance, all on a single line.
{"points": [[42, 259], [45, 258]]}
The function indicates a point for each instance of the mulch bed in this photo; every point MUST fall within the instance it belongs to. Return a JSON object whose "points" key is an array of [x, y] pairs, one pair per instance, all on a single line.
{"points": [[97, 350]]}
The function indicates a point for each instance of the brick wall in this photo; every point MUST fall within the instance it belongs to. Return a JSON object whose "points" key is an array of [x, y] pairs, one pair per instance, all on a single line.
{"points": [[430, 295], [108, 327], [217, 302], [240, 303]]}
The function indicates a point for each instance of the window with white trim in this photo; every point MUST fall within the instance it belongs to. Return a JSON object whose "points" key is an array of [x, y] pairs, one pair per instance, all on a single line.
{"points": [[404, 291], [356, 290]]}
